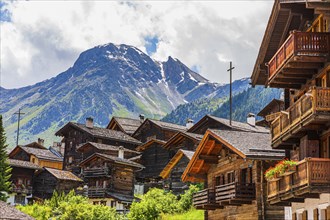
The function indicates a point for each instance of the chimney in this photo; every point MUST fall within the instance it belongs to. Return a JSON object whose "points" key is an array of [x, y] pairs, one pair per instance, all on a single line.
{"points": [[89, 122], [251, 119], [121, 152], [141, 116], [41, 141], [189, 123]]}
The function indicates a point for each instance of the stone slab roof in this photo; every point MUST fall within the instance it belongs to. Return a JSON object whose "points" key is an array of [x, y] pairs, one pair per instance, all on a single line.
{"points": [[24, 164], [42, 153], [63, 174], [9, 212]]}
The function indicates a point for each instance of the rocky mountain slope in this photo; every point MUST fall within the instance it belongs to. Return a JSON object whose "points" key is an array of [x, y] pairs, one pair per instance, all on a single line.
{"points": [[106, 80]]}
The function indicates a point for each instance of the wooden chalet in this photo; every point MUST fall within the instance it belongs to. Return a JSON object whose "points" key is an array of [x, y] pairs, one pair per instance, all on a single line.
{"points": [[37, 155], [213, 122], [126, 125], [154, 156], [174, 169], [231, 164], [271, 111], [89, 148], [154, 129], [295, 55], [22, 176], [110, 179], [181, 145], [49, 180], [76, 134]]}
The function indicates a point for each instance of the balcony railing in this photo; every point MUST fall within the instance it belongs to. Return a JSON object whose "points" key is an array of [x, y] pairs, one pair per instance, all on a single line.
{"points": [[235, 192], [316, 101], [271, 117], [299, 43], [21, 189], [97, 192], [205, 199], [96, 172], [310, 177]]}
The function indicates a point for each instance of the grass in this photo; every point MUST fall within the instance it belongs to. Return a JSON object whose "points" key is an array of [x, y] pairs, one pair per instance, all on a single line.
{"points": [[192, 214]]}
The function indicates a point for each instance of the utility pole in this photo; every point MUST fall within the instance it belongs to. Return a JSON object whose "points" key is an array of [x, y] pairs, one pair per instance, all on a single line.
{"points": [[230, 92], [19, 113]]}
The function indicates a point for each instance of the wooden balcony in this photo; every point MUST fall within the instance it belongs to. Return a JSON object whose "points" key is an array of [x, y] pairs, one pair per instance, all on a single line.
{"points": [[310, 112], [21, 189], [298, 59], [95, 172], [205, 199], [235, 194], [310, 178], [272, 117], [97, 192]]}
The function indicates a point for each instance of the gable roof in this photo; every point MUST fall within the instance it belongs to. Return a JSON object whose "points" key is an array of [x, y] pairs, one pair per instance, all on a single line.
{"points": [[113, 159], [35, 145], [180, 136], [275, 102], [11, 213], [102, 133], [39, 153], [105, 147], [161, 124], [247, 145], [63, 174], [127, 125], [24, 164], [174, 161], [147, 144], [226, 122]]}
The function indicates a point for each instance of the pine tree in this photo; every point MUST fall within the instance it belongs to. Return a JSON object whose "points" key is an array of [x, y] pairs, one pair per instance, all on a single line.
{"points": [[5, 169]]}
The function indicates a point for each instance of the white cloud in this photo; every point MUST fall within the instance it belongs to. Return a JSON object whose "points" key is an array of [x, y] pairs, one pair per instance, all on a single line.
{"points": [[44, 38]]}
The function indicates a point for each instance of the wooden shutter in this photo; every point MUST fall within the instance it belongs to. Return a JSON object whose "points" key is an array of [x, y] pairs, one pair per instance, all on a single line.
{"points": [[327, 213], [304, 215], [315, 214]]}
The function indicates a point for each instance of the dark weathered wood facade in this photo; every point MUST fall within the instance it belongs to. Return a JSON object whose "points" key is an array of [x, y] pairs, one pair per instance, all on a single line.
{"points": [[22, 177], [76, 134], [49, 180], [296, 49], [173, 171], [154, 134], [231, 164], [110, 177]]}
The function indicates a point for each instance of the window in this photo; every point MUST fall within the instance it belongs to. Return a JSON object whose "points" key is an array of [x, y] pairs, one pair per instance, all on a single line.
{"points": [[103, 203], [70, 160], [33, 160], [19, 199], [95, 202], [231, 177], [113, 204]]}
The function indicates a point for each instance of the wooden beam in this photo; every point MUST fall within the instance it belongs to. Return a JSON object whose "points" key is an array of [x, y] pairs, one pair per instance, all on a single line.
{"points": [[212, 144], [296, 80], [298, 71], [285, 86], [211, 159], [298, 65], [198, 176]]}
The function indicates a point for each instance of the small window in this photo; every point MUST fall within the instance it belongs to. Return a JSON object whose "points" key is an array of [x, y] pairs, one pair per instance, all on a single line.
{"points": [[70, 160], [113, 204], [217, 181], [103, 203], [95, 202], [19, 199], [33, 160]]}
